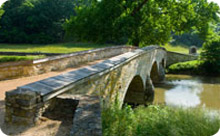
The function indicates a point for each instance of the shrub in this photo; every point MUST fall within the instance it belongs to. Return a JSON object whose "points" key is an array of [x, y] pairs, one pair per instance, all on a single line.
{"points": [[158, 121], [188, 67], [211, 55]]}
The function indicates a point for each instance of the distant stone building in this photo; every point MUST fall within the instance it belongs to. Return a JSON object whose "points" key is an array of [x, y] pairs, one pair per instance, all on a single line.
{"points": [[193, 50]]}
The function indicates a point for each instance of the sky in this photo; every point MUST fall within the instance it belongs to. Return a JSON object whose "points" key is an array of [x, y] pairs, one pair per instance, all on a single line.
{"points": [[2, 1], [216, 1]]}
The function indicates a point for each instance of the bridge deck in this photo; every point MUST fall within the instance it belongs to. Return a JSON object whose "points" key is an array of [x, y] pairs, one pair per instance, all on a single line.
{"points": [[53, 86]]}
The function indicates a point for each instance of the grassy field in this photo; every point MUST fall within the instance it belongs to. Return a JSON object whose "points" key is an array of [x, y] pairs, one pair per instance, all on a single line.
{"points": [[70, 47], [158, 121], [179, 49], [50, 48], [61, 48], [188, 66], [18, 58]]}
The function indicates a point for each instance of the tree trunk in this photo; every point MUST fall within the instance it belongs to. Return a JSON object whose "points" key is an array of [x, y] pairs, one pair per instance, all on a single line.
{"points": [[139, 7], [136, 44]]}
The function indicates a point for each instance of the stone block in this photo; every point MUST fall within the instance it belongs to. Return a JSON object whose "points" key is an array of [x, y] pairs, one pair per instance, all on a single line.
{"points": [[87, 118], [22, 98], [16, 120]]}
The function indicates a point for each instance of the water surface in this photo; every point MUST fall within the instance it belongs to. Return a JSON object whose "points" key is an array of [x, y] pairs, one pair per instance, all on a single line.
{"points": [[189, 91]]}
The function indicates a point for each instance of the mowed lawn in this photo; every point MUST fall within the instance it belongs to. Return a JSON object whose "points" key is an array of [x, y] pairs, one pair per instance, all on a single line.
{"points": [[70, 47], [179, 49], [62, 48], [19, 58], [50, 48]]}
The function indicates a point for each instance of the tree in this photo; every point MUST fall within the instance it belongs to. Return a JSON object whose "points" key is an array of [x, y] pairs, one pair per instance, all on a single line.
{"points": [[1, 12], [211, 55], [187, 39], [141, 22], [34, 21]]}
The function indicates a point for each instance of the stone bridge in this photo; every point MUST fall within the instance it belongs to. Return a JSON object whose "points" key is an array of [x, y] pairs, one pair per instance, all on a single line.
{"points": [[128, 77]]}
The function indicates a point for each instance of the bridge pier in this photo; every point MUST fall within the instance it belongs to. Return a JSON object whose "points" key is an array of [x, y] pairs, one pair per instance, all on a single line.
{"points": [[157, 74], [149, 91], [23, 107], [87, 117], [161, 73]]}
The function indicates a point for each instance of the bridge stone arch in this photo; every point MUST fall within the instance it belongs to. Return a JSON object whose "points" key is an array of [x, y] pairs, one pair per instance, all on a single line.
{"points": [[135, 92], [154, 73], [157, 73]]}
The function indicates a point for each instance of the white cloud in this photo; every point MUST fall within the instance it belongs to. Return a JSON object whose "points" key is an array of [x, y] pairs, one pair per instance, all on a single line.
{"points": [[216, 1], [2, 1]]}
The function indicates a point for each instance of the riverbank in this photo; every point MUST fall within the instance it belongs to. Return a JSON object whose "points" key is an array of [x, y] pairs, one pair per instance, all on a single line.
{"points": [[195, 67], [189, 91], [157, 121]]}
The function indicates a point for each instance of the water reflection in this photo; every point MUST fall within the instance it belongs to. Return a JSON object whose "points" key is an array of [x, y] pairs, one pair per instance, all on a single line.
{"points": [[188, 91]]}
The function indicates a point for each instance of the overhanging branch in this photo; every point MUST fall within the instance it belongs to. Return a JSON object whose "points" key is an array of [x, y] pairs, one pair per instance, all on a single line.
{"points": [[139, 7]]}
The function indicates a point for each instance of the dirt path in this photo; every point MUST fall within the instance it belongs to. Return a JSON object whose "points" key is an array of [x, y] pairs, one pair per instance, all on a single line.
{"points": [[47, 127]]}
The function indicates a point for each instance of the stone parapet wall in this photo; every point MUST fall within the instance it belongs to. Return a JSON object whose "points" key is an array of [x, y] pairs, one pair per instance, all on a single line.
{"points": [[174, 57], [12, 70]]}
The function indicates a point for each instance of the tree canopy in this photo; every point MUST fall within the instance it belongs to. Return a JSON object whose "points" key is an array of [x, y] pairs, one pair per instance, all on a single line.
{"points": [[34, 21], [141, 22]]}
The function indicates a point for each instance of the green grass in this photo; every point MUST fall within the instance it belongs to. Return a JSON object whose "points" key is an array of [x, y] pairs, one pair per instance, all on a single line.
{"points": [[179, 49], [70, 47], [158, 121], [18, 58], [188, 66], [195, 67], [60, 48], [50, 48]]}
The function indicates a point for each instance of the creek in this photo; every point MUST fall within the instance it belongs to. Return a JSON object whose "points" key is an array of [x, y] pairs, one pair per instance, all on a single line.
{"points": [[189, 91]]}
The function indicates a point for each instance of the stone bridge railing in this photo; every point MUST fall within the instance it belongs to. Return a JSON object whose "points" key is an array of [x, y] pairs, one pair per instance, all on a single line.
{"points": [[174, 57], [12, 70]]}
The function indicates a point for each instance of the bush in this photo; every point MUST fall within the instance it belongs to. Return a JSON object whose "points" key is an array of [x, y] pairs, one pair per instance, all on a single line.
{"points": [[158, 121], [188, 67], [211, 55]]}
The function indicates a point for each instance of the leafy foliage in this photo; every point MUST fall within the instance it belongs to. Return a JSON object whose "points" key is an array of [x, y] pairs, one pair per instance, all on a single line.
{"points": [[188, 67], [158, 121], [211, 55], [140, 22], [187, 39], [1, 13], [34, 21]]}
